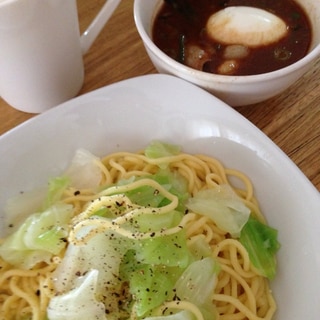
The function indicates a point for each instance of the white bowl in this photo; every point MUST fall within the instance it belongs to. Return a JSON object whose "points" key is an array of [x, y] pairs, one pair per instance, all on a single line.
{"points": [[234, 90], [128, 115]]}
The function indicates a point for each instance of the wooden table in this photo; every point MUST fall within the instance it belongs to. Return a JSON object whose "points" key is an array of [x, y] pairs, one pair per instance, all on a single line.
{"points": [[291, 120]]}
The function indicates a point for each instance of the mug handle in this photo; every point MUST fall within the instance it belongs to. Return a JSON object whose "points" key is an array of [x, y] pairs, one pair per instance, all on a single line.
{"points": [[91, 33]]}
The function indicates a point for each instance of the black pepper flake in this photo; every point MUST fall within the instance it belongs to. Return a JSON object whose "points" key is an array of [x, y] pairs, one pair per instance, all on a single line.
{"points": [[176, 298], [119, 204]]}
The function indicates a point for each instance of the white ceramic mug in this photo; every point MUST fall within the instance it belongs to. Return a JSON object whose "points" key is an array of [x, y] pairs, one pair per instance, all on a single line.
{"points": [[41, 51]]}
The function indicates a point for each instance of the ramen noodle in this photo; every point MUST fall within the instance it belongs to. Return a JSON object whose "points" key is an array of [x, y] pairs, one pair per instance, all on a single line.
{"points": [[157, 234]]}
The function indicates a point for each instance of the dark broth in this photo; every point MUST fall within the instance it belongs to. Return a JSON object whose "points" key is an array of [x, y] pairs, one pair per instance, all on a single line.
{"points": [[180, 25]]}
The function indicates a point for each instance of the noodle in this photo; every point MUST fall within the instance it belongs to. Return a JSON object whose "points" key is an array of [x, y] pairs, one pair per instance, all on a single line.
{"points": [[241, 292]]}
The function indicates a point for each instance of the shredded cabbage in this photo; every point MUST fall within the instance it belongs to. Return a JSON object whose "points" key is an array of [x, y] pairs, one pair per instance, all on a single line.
{"points": [[55, 190], [262, 245], [197, 283], [171, 181], [223, 206], [103, 252], [38, 238], [84, 170], [80, 303], [158, 149], [21, 206]]}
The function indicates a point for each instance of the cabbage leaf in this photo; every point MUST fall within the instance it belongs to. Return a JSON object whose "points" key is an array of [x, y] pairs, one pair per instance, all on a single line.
{"points": [[223, 206], [262, 244], [80, 303], [38, 238]]}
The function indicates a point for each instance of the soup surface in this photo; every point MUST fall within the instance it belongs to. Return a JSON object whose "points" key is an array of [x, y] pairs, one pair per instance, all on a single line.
{"points": [[179, 30]]}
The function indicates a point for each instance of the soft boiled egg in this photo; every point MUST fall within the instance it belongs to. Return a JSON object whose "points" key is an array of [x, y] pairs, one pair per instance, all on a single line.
{"points": [[248, 26]]}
